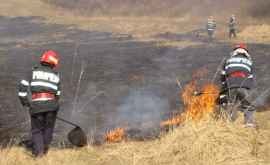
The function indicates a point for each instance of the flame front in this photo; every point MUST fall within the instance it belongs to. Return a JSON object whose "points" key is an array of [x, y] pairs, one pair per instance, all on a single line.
{"points": [[176, 120], [115, 135], [197, 107]]}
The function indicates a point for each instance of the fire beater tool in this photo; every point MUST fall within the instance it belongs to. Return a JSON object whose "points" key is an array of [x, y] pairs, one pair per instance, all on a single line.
{"points": [[76, 136]]}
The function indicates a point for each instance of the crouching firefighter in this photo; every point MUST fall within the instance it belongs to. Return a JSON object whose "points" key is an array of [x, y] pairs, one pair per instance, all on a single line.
{"points": [[41, 94], [237, 82]]}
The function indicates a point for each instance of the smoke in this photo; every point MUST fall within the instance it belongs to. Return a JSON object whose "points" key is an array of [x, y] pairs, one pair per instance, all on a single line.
{"points": [[142, 109], [140, 112], [262, 98]]}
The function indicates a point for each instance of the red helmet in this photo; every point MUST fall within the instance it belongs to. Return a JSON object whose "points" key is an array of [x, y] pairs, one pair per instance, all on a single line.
{"points": [[50, 57], [240, 49], [241, 45]]}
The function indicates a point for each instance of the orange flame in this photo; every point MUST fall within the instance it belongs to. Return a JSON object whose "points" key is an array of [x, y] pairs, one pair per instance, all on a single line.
{"points": [[196, 107], [176, 120], [115, 135]]}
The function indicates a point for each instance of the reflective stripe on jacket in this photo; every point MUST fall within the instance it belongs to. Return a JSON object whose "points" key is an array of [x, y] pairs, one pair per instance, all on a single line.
{"points": [[42, 92], [238, 73]]}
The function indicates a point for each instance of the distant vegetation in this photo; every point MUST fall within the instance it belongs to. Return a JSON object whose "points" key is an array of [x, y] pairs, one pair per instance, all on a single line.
{"points": [[260, 8], [124, 7], [148, 7], [256, 8]]}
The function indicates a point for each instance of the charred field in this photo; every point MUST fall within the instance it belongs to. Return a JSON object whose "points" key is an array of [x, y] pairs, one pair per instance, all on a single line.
{"points": [[109, 81]]}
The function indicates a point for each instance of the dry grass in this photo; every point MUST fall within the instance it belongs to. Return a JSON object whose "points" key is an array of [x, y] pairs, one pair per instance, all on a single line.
{"points": [[178, 44], [137, 26], [142, 28], [206, 143], [256, 33], [258, 8]]}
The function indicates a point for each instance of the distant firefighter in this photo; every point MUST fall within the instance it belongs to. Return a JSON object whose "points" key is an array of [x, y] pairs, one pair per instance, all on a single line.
{"points": [[232, 26], [211, 27], [237, 79], [41, 92]]}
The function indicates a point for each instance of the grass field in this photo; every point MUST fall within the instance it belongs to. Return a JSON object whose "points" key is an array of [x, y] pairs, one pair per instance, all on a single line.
{"points": [[140, 27], [206, 143]]}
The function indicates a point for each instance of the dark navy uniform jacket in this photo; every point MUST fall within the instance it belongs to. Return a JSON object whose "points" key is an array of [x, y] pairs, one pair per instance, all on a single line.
{"points": [[237, 72], [42, 91]]}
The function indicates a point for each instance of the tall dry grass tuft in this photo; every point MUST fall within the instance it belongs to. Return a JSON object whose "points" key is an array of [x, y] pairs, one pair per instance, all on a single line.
{"points": [[208, 142]]}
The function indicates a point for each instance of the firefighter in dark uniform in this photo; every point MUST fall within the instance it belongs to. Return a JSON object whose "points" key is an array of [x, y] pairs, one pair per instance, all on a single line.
{"points": [[41, 94], [232, 27], [237, 80]]}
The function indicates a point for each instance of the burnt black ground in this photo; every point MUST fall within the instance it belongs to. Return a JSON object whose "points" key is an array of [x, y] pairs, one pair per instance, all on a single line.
{"points": [[123, 83]]}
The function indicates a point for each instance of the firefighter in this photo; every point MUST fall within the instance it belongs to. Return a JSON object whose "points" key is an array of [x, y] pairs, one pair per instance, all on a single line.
{"points": [[211, 27], [237, 80], [41, 94], [232, 27]]}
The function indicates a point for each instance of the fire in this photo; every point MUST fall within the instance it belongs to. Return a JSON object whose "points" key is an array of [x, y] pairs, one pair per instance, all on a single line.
{"points": [[115, 135], [197, 107], [176, 120]]}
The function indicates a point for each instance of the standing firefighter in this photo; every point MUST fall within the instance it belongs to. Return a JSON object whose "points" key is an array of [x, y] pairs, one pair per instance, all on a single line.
{"points": [[237, 82], [41, 94], [232, 27], [211, 27]]}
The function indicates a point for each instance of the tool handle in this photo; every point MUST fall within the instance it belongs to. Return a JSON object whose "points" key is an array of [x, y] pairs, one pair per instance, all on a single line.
{"points": [[68, 122], [178, 83]]}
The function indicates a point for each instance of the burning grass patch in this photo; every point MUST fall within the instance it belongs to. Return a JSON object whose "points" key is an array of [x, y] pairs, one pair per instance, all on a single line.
{"points": [[196, 107], [115, 135]]}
